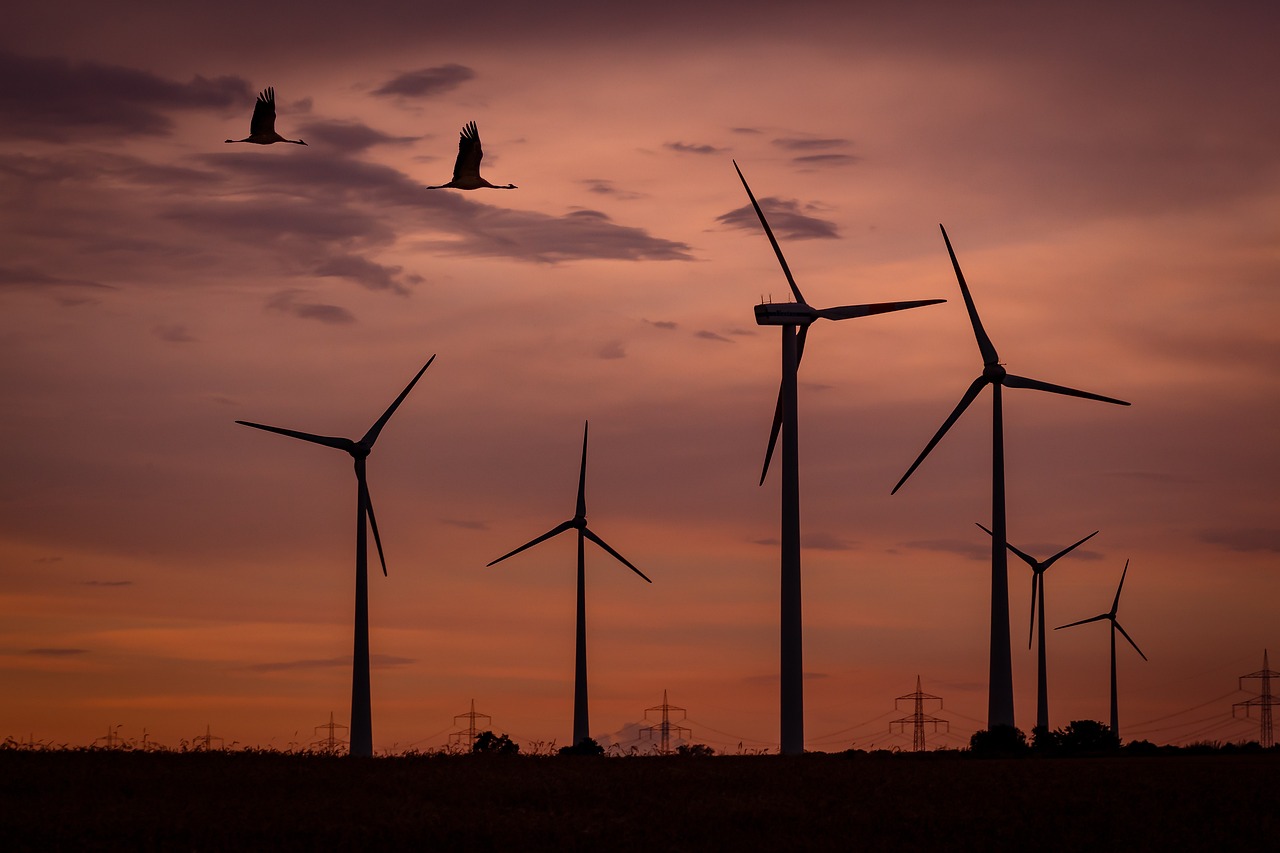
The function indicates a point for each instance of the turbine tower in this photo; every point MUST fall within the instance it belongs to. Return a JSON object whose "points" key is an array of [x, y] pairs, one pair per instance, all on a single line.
{"points": [[581, 725], [792, 316], [361, 712], [1000, 684], [1038, 568], [1115, 626]]}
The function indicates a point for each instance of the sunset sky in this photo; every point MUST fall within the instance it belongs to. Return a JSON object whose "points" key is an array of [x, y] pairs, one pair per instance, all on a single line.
{"points": [[1110, 181]]}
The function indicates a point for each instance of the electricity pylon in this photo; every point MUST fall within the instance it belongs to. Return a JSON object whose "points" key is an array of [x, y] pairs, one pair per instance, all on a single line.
{"points": [[468, 735], [665, 726], [329, 744], [1265, 701], [919, 719], [205, 741]]}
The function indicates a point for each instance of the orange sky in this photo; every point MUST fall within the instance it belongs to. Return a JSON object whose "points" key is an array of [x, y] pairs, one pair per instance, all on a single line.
{"points": [[1111, 186]]}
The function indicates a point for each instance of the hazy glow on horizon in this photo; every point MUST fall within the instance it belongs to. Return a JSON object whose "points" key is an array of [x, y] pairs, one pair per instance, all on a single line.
{"points": [[1109, 180]]}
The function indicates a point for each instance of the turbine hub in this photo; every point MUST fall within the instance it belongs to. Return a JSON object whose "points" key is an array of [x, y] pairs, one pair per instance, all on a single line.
{"points": [[994, 373]]}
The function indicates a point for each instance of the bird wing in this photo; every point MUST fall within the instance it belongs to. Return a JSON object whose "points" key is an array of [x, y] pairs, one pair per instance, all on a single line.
{"points": [[469, 153], [264, 113]]}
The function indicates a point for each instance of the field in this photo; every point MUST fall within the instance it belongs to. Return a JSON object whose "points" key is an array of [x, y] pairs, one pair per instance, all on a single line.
{"points": [[86, 800]]}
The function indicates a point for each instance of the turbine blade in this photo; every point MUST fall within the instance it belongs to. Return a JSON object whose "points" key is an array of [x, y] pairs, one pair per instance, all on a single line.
{"points": [[596, 539], [1097, 618], [1067, 550], [1035, 579], [847, 312], [1026, 558], [373, 522], [773, 437], [582, 475], [372, 435], [327, 440], [968, 398], [772, 240], [1115, 605], [1035, 384], [988, 350], [777, 409], [1121, 629], [555, 531]]}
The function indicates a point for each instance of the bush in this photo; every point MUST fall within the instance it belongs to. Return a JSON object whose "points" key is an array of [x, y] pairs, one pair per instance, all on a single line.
{"points": [[998, 742], [1088, 737], [586, 746], [694, 749], [488, 743]]}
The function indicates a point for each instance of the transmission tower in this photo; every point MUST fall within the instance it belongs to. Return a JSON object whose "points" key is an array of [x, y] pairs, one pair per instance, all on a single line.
{"points": [[205, 742], [664, 727], [1266, 701], [919, 719], [468, 735], [331, 742], [112, 740]]}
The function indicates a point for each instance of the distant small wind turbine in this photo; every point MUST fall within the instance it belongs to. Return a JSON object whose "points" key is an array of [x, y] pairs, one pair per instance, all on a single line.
{"points": [[1000, 681], [792, 316], [1110, 616], [361, 714], [262, 127], [466, 169], [1038, 568], [581, 725]]}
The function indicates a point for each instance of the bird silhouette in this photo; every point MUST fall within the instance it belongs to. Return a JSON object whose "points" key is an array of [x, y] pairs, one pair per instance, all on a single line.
{"points": [[262, 127], [466, 169]]}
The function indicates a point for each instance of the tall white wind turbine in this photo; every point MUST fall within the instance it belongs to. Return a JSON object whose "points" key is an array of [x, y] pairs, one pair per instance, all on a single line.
{"points": [[581, 722], [793, 316], [361, 711], [1000, 683], [1110, 616]]}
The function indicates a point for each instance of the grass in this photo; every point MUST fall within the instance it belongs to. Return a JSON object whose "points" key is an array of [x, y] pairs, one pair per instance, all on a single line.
{"points": [[105, 799]]}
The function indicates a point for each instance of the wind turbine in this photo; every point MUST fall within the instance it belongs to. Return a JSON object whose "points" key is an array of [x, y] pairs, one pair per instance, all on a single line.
{"points": [[1038, 568], [361, 714], [581, 724], [792, 316], [1115, 626], [1000, 685]]}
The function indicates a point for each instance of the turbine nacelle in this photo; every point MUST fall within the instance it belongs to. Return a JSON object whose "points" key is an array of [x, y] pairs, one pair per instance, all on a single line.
{"points": [[785, 314]]}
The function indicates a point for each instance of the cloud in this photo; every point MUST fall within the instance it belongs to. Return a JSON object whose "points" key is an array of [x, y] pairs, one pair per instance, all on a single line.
{"points": [[797, 143], [426, 82], [969, 550], [375, 661], [29, 278], [174, 334], [56, 653], [826, 160], [1244, 539], [774, 678], [288, 302], [694, 149], [348, 137], [663, 324], [53, 100], [327, 199], [611, 350], [708, 335], [601, 186], [785, 218], [366, 273], [106, 583]]}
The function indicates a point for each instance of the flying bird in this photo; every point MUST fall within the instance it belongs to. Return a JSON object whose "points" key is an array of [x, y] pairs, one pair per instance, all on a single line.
{"points": [[466, 169], [262, 127]]}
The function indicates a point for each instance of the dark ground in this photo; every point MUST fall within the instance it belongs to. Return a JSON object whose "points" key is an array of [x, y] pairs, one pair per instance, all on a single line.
{"points": [[87, 800]]}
